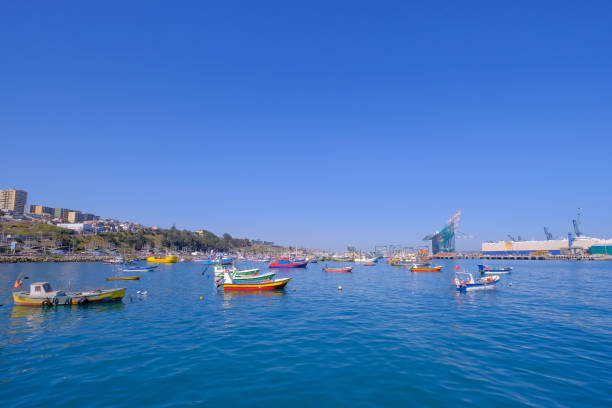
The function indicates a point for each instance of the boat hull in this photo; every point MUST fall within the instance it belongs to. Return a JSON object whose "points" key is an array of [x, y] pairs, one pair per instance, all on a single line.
{"points": [[436, 269], [75, 298], [288, 265], [275, 285], [166, 259], [111, 278], [477, 286], [254, 278], [340, 270], [142, 269]]}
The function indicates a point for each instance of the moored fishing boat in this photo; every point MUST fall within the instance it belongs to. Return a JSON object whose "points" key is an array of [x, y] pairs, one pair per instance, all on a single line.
{"points": [[369, 264], [345, 269], [287, 263], [220, 270], [342, 258], [41, 294], [256, 277], [366, 260], [465, 282], [425, 268], [138, 268], [163, 259], [111, 278], [487, 270], [230, 284]]}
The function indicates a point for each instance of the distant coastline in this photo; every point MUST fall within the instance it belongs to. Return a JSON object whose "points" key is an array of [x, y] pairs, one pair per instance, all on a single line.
{"points": [[57, 258]]}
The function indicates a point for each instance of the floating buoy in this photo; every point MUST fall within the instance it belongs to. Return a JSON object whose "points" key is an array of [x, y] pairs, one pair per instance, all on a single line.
{"points": [[510, 284], [201, 298], [339, 288]]}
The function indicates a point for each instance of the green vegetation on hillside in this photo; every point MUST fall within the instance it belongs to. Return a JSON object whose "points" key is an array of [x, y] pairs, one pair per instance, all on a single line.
{"points": [[173, 239]]}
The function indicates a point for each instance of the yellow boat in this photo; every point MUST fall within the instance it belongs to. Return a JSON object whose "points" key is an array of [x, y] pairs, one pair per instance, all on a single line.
{"points": [[165, 259], [41, 294], [123, 278]]}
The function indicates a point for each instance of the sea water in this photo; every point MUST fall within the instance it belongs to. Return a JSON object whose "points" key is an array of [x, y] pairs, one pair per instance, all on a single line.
{"points": [[390, 337]]}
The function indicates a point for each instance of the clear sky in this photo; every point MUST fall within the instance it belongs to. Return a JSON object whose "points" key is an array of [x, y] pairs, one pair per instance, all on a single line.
{"points": [[314, 123]]}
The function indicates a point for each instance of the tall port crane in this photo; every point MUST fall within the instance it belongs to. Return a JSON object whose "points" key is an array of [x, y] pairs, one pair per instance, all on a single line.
{"points": [[577, 223], [549, 236]]}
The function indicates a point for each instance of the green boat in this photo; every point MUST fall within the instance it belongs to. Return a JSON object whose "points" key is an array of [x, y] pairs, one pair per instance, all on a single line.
{"points": [[219, 269], [252, 278]]}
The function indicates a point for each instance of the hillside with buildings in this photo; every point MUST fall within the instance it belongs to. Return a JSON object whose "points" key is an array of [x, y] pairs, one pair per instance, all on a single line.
{"points": [[40, 229]]}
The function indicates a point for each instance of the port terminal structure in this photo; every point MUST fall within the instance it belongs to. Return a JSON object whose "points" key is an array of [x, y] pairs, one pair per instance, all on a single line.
{"points": [[576, 246]]}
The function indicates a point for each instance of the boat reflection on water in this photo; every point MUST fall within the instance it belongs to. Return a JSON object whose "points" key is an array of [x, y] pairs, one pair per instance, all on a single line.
{"points": [[38, 314], [228, 295]]}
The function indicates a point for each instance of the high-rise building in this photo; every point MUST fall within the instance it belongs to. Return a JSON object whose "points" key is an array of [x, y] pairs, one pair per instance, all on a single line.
{"points": [[13, 200], [61, 213], [75, 217], [41, 210]]}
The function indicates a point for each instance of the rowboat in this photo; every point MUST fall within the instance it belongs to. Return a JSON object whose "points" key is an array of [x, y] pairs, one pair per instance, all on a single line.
{"points": [[465, 282], [41, 294], [345, 269], [418, 268], [164, 259], [287, 263], [486, 270], [138, 268], [230, 284], [369, 264], [402, 263], [220, 270], [252, 278], [365, 260], [123, 278], [342, 259]]}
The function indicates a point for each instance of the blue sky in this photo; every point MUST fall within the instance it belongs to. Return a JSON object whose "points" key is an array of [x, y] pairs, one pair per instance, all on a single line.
{"points": [[313, 123]]}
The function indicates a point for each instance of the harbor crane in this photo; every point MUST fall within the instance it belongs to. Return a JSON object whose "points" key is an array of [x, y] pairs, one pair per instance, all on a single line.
{"points": [[577, 223], [549, 236]]}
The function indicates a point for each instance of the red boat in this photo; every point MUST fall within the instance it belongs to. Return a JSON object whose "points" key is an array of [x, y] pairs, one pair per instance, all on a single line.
{"points": [[369, 264], [345, 269], [261, 285], [288, 263]]}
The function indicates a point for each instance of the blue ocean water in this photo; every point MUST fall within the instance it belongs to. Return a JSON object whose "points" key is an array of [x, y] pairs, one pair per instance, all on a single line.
{"points": [[389, 338]]}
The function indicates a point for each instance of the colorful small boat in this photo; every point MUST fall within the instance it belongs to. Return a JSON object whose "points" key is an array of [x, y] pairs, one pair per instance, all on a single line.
{"points": [[346, 269], [41, 294], [287, 263], [111, 278], [220, 270], [487, 270], [138, 268], [365, 259], [342, 259], [230, 284], [465, 282], [369, 264], [164, 259], [252, 278], [425, 268]]}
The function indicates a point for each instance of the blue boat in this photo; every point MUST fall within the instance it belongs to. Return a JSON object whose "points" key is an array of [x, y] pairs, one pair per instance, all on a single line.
{"points": [[288, 263], [138, 268]]}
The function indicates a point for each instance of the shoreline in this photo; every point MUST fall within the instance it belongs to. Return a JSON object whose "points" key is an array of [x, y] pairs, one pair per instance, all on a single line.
{"points": [[56, 258]]}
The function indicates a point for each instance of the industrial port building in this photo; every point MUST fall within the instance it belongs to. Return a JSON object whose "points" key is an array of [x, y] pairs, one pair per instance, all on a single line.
{"points": [[553, 247]]}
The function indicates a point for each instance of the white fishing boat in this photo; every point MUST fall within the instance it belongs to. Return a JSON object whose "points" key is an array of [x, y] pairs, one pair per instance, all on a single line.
{"points": [[464, 282]]}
